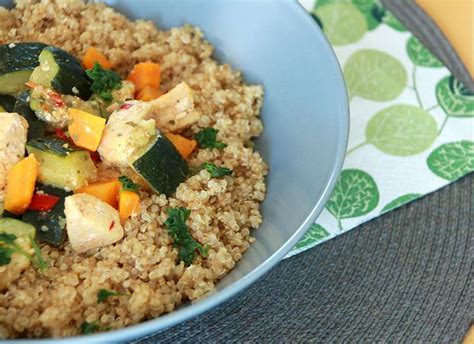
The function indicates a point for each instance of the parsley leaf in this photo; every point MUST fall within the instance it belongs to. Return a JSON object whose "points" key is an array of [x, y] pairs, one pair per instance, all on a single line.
{"points": [[128, 184], [104, 294], [103, 81], [7, 238], [8, 246], [207, 138], [88, 328], [176, 225], [215, 171], [5, 255]]}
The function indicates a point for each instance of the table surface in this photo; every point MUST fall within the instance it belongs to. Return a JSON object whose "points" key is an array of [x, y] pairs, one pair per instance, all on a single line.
{"points": [[407, 275]]}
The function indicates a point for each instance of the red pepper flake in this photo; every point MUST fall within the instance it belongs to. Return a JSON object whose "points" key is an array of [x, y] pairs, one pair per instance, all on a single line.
{"points": [[60, 134], [56, 98], [43, 202], [125, 106], [95, 157], [111, 225]]}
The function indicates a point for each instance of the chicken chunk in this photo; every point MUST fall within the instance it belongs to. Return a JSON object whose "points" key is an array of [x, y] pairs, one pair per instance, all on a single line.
{"points": [[91, 223], [13, 131], [174, 110], [127, 132]]}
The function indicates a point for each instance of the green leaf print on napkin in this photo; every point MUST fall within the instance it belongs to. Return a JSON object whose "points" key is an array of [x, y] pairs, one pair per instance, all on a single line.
{"points": [[342, 23], [356, 194], [314, 234], [374, 75], [455, 99], [421, 56], [393, 22], [452, 160], [372, 10], [401, 130], [399, 201]]}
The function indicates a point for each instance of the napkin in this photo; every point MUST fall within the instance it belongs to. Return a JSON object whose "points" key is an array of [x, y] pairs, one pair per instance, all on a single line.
{"points": [[412, 123]]}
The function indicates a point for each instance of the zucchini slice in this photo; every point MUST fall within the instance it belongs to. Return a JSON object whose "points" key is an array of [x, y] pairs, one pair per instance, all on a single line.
{"points": [[60, 165], [161, 166], [36, 127], [62, 72], [7, 102], [50, 225], [17, 227], [16, 65]]}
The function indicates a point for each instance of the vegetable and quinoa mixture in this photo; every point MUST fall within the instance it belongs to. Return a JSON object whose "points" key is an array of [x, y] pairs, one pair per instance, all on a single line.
{"points": [[128, 179]]}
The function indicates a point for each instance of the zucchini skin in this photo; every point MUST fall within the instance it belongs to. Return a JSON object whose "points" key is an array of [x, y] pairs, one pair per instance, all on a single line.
{"points": [[7, 102], [20, 58], [70, 75], [162, 166], [54, 219], [36, 127]]}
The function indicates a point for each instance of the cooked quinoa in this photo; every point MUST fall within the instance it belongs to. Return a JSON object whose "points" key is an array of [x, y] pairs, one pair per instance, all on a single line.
{"points": [[144, 265]]}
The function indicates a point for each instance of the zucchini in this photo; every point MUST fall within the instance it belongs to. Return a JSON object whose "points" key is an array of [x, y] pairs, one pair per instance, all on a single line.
{"points": [[17, 227], [36, 127], [62, 72], [161, 166], [16, 65], [60, 165], [7, 103], [50, 225]]}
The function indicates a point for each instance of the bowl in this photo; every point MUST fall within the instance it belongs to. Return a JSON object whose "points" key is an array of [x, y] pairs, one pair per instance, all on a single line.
{"points": [[305, 114]]}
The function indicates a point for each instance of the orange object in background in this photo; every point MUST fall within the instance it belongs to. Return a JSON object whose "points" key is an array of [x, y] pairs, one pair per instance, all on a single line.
{"points": [[85, 129], [145, 74], [455, 18], [106, 191], [149, 93], [21, 181], [92, 56], [184, 146]]}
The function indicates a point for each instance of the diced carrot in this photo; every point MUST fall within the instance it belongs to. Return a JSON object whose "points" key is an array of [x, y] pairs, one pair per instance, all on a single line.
{"points": [[85, 129], [92, 56], [183, 145], [145, 74], [148, 93], [21, 181], [107, 191], [129, 203]]}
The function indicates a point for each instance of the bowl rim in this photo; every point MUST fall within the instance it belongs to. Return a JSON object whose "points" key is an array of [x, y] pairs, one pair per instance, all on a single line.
{"points": [[166, 321]]}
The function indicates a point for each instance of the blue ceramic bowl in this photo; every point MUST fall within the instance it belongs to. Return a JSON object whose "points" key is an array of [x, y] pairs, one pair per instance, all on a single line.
{"points": [[305, 114]]}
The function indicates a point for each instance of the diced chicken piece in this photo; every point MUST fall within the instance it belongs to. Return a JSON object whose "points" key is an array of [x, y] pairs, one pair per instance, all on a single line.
{"points": [[13, 131], [19, 263], [174, 110], [127, 133], [49, 106], [91, 223]]}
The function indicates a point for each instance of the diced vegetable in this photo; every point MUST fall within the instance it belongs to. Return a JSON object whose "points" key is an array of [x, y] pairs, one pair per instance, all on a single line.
{"points": [[48, 105], [85, 129], [174, 111], [149, 93], [7, 103], [92, 56], [60, 165], [17, 227], [184, 146], [36, 127], [2, 109], [16, 65], [161, 166], [62, 72], [91, 223], [21, 181], [107, 191], [104, 82], [145, 74], [129, 204], [50, 225], [43, 202]]}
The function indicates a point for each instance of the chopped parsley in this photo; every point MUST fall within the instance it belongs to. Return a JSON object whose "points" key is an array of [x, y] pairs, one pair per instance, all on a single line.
{"points": [[176, 225], [104, 294], [89, 328], [216, 171], [104, 81], [128, 184], [8, 246], [207, 138]]}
